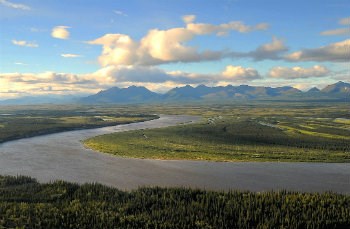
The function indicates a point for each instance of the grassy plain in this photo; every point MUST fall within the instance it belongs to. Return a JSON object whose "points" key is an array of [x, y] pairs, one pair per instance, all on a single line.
{"points": [[26, 121], [24, 203], [254, 132]]}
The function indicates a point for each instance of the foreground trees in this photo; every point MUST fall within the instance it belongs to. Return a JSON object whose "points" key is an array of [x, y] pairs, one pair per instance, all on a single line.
{"points": [[24, 203]]}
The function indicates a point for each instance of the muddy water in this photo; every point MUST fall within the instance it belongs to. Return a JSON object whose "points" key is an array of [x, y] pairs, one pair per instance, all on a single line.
{"points": [[62, 156]]}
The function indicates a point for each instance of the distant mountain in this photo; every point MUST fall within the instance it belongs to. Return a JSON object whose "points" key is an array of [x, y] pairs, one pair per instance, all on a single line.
{"points": [[337, 88], [339, 91], [228, 92], [131, 94], [189, 93], [313, 90], [46, 99]]}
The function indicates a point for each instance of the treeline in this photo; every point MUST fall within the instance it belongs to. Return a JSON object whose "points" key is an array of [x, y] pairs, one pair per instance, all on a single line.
{"points": [[250, 132], [24, 203], [17, 127]]}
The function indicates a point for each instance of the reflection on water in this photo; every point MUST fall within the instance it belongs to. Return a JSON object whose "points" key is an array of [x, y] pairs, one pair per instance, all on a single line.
{"points": [[62, 156]]}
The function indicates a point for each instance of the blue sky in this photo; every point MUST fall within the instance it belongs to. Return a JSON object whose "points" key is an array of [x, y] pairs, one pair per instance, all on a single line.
{"points": [[83, 46]]}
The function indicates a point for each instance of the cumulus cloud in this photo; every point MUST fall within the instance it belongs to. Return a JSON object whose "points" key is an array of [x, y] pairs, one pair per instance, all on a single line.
{"points": [[345, 21], [335, 52], [46, 77], [58, 83], [25, 43], [160, 46], [339, 31], [231, 74], [117, 49], [238, 73], [223, 29], [152, 77], [145, 74], [69, 55], [157, 47], [133, 74], [165, 46], [189, 18], [298, 72], [60, 32], [271, 51], [275, 46], [14, 5]]}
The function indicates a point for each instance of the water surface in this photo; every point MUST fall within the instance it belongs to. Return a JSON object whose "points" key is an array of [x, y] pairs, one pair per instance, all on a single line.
{"points": [[62, 156]]}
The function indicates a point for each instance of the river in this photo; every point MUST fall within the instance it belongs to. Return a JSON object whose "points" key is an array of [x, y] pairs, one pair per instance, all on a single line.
{"points": [[62, 156]]}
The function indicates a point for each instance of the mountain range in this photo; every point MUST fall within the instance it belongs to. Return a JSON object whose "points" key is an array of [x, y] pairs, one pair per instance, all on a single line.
{"points": [[339, 91]]}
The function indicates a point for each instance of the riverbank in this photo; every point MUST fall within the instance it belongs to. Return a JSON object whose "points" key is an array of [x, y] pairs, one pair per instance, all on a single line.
{"points": [[226, 138], [25, 126], [61, 156]]}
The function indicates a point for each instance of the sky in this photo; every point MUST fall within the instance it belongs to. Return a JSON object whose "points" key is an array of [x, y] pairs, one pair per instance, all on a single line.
{"points": [[75, 47]]}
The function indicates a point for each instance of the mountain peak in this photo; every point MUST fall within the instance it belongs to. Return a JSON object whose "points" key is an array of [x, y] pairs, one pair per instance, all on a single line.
{"points": [[314, 89], [131, 94], [140, 94], [202, 86], [339, 87]]}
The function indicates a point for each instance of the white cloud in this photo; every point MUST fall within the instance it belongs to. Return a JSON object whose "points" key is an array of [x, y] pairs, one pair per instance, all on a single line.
{"points": [[275, 46], [152, 77], [335, 52], [121, 13], [271, 51], [238, 73], [37, 30], [14, 5], [60, 32], [341, 31], [157, 47], [169, 46], [345, 21], [36, 84], [189, 18], [25, 43], [298, 72], [165, 46], [145, 74], [223, 29], [20, 63], [133, 74], [117, 49], [69, 55]]}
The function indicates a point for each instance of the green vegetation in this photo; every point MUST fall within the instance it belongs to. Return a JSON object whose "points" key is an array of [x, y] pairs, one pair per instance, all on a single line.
{"points": [[242, 133], [24, 203], [22, 121]]}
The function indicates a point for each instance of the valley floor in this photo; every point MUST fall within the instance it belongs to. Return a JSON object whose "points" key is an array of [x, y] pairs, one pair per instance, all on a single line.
{"points": [[240, 134]]}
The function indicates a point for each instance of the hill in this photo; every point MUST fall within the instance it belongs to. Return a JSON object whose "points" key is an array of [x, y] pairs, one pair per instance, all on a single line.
{"points": [[131, 94], [339, 91]]}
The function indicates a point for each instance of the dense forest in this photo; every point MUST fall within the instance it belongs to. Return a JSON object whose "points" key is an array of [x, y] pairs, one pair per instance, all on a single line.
{"points": [[28, 123], [25, 203], [236, 138]]}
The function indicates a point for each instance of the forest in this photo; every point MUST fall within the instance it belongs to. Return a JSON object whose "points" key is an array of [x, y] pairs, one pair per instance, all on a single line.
{"points": [[242, 133], [25, 203], [27, 121]]}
